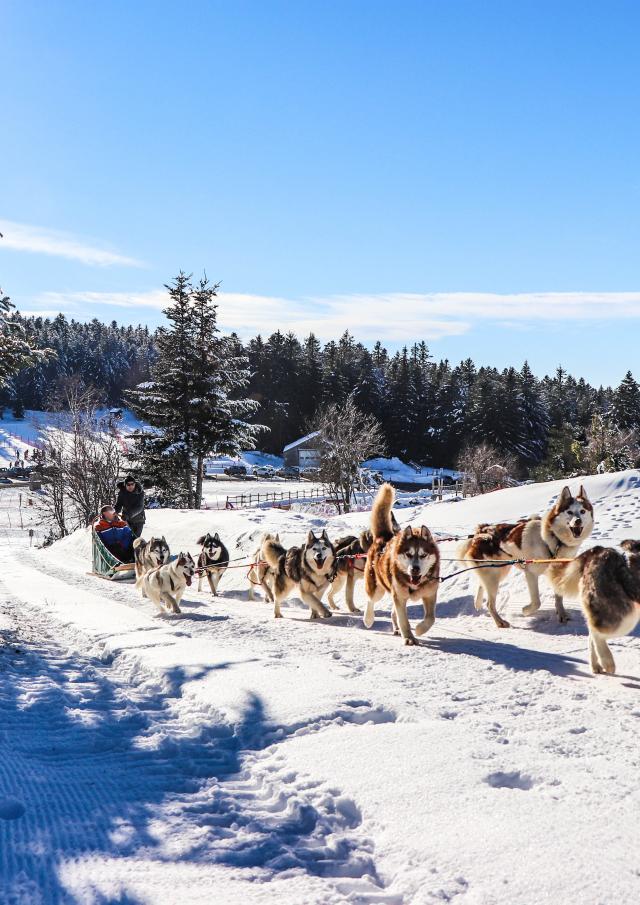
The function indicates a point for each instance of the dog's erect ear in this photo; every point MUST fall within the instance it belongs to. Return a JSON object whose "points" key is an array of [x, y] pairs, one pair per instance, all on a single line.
{"points": [[408, 532], [200, 540], [325, 536], [181, 559], [394, 523], [277, 538], [564, 499], [311, 538], [633, 546], [582, 494], [164, 538], [425, 534], [216, 537]]}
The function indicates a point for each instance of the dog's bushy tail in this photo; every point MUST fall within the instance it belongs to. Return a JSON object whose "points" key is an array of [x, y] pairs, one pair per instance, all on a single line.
{"points": [[381, 522], [272, 552], [138, 542], [463, 549]]}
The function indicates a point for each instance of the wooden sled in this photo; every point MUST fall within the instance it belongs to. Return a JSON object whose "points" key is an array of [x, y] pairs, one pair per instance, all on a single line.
{"points": [[106, 565]]}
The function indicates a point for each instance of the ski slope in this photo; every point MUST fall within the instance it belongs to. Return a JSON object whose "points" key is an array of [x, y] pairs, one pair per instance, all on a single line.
{"points": [[227, 756]]}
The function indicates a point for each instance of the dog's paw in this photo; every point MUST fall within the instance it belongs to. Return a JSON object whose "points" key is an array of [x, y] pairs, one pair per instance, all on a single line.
{"points": [[410, 641], [423, 627], [502, 623], [530, 609], [396, 631], [563, 618], [327, 614]]}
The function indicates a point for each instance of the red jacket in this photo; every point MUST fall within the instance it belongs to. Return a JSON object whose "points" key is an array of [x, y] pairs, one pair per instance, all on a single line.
{"points": [[103, 525]]}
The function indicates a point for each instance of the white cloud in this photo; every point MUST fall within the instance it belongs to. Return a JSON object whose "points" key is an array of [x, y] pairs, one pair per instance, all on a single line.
{"points": [[396, 317], [23, 237]]}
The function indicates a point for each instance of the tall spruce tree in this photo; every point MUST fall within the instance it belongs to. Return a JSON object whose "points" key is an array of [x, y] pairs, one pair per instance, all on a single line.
{"points": [[195, 396]]}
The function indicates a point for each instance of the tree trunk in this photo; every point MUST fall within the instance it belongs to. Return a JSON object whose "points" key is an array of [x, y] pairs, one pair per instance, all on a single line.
{"points": [[199, 477]]}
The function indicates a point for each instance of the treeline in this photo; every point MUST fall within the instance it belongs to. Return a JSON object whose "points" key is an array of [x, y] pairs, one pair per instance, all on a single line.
{"points": [[107, 357], [429, 410]]}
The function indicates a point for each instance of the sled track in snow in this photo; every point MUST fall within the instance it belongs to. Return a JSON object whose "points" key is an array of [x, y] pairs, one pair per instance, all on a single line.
{"points": [[95, 767]]}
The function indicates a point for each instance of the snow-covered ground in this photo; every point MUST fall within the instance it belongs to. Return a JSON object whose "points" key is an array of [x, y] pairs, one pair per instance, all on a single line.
{"points": [[394, 469], [20, 434], [227, 756]]}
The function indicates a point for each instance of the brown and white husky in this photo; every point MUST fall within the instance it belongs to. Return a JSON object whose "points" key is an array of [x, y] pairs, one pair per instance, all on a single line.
{"points": [[404, 564], [608, 585], [557, 535]]}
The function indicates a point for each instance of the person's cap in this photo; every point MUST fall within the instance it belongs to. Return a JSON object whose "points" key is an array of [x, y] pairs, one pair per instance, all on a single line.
{"points": [[106, 509]]}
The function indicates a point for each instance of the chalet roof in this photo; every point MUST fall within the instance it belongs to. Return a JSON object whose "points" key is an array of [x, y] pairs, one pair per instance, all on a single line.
{"points": [[301, 440]]}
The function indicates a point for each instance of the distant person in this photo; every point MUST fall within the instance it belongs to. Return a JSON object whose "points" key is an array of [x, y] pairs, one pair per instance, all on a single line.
{"points": [[115, 534], [130, 504]]}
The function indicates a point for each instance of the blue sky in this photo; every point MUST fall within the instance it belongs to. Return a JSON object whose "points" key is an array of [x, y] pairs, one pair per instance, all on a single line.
{"points": [[466, 172]]}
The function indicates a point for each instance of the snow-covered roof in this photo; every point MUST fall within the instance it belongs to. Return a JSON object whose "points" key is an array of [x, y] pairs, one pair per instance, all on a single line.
{"points": [[301, 440]]}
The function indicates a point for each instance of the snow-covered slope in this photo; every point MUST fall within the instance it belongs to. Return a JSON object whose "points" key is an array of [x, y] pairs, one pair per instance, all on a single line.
{"points": [[318, 762]]}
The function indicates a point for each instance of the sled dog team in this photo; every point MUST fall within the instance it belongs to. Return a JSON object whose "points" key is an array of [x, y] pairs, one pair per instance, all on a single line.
{"points": [[405, 563]]}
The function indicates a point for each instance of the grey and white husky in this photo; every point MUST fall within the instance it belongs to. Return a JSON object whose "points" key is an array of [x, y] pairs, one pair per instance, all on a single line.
{"points": [[166, 584], [213, 559], [307, 570], [556, 535], [608, 585], [149, 554]]}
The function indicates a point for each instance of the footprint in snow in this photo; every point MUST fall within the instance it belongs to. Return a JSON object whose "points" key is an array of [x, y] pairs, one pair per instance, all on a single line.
{"points": [[513, 780], [10, 809]]}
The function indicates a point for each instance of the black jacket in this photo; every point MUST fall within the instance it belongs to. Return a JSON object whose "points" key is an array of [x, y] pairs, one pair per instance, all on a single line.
{"points": [[130, 503]]}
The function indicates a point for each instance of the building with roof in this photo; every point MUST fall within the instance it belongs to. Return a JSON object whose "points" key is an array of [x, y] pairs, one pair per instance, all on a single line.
{"points": [[303, 453]]}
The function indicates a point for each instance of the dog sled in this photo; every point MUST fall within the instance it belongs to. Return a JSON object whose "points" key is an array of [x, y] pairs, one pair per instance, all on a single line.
{"points": [[106, 565]]}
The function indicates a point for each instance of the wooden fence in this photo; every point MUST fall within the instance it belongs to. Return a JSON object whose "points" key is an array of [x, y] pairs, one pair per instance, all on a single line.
{"points": [[247, 500]]}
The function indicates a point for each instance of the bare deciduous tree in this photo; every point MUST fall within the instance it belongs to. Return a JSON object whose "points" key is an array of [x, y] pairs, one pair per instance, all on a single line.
{"points": [[348, 437], [485, 468], [82, 465]]}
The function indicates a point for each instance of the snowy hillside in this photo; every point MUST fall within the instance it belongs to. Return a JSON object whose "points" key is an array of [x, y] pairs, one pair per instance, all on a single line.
{"points": [[155, 759]]}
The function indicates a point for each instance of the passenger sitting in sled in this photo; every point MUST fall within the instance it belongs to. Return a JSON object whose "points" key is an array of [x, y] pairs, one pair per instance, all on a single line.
{"points": [[115, 534]]}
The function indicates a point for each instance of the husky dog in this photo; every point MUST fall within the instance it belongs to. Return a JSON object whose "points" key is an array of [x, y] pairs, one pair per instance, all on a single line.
{"points": [[259, 569], [166, 584], [406, 564], [608, 584], [557, 535], [213, 560], [350, 570], [308, 569], [149, 554]]}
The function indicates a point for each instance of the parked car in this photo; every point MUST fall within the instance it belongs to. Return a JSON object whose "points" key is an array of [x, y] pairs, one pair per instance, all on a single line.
{"points": [[235, 471], [311, 474], [21, 474], [288, 471], [264, 471]]}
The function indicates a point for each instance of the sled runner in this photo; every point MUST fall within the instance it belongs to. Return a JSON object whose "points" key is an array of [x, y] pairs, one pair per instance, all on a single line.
{"points": [[106, 565]]}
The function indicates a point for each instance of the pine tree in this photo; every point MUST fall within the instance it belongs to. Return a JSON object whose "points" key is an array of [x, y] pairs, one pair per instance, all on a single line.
{"points": [[626, 403], [16, 352], [194, 398]]}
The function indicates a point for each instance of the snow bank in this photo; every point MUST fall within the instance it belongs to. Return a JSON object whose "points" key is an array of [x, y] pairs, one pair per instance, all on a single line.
{"points": [[394, 469]]}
